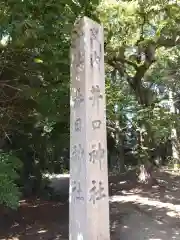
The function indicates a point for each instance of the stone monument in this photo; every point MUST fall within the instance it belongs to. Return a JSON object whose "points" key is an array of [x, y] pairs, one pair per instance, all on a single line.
{"points": [[88, 191]]}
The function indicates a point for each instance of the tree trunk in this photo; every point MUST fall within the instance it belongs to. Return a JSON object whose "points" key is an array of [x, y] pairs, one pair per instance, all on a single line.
{"points": [[144, 147], [146, 174], [174, 137], [120, 147]]}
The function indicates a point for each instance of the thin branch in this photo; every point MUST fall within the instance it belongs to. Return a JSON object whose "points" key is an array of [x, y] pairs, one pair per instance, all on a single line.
{"points": [[9, 86], [115, 129], [170, 42], [11, 99], [6, 135], [5, 81], [123, 60]]}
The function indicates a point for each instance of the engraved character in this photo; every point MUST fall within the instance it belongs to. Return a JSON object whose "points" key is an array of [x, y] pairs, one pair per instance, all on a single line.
{"points": [[78, 156], [73, 186], [78, 99], [100, 192], [93, 154], [96, 124], [93, 192], [91, 60], [78, 152], [97, 155], [76, 189], [96, 193], [79, 61], [95, 56], [94, 33], [78, 125], [79, 192], [96, 96], [76, 35]]}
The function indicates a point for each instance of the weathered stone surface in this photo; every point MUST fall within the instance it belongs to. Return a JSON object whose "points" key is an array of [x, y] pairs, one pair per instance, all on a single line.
{"points": [[89, 197]]}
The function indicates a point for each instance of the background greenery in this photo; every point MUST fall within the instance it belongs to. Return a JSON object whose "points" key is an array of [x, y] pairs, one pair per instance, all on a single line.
{"points": [[142, 58]]}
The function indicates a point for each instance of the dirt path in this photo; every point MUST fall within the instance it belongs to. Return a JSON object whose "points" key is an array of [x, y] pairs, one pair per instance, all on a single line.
{"points": [[50, 222], [135, 213], [138, 226], [149, 213]]}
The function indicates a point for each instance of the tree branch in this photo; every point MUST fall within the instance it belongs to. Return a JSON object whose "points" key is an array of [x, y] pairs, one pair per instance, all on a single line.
{"points": [[123, 60], [9, 86], [117, 66], [168, 42]]}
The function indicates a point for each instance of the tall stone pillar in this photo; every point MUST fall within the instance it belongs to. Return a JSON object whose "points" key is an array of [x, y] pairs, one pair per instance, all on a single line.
{"points": [[89, 197]]}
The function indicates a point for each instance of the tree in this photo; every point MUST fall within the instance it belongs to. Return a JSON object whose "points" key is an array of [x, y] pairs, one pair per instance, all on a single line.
{"points": [[139, 34], [34, 83]]}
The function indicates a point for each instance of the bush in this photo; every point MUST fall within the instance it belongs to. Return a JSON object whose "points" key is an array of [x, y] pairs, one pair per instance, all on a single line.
{"points": [[9, 191]]}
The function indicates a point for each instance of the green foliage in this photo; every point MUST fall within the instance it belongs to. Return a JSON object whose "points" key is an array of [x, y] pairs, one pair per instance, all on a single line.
{"points": [[142, 51], [9, 167], [142, 58], [34, 86]]}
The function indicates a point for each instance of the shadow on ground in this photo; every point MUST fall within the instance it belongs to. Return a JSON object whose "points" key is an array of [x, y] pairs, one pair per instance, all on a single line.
{"points": [[36, 219], [136, 212], [45, 220], [155, 211]]}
